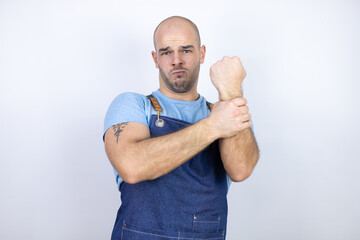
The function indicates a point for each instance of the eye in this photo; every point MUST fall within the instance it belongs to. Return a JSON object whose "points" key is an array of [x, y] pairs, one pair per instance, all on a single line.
{"points": [[187, 51], [165, 53]]}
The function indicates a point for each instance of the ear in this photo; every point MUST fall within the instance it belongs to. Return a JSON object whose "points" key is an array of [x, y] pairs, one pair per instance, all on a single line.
{"points": [[155, 59], [202, 54]]}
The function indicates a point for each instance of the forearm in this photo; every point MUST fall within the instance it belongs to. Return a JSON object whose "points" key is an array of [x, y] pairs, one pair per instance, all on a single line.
{"points": [[239, 153], [138, 157], [154, 157]]}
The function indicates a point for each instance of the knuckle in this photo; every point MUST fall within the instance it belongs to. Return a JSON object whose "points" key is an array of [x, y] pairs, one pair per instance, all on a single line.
{"points": [[245, 109], [244, 101]]}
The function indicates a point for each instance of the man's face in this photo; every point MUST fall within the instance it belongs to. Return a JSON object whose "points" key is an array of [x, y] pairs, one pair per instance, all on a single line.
{"points": [[178, 57]]}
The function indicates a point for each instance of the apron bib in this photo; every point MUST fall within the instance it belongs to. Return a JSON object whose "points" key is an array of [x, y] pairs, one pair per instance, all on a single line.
{"points": [[187, 203]]}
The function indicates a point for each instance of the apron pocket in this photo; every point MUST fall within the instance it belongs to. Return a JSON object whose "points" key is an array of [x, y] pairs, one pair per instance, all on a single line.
{"points": [[206, 224], [133, 232]]}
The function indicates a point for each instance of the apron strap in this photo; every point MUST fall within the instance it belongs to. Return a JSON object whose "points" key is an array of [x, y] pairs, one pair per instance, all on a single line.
{"points": [[210, 105], [154, 103]]}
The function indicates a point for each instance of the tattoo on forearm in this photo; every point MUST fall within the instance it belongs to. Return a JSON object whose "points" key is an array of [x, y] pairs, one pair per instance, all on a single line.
{"points": [[118, 128]]}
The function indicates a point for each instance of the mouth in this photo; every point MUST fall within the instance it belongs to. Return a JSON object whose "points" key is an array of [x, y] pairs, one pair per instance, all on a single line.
{"points": [[178, 72]]}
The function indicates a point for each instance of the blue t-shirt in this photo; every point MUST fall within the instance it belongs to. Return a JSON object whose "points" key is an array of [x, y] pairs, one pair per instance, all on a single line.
{"points": [[134, 107]]}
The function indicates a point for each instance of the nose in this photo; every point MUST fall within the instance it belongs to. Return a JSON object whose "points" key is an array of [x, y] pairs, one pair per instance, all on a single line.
{"points": [[176, 59]]}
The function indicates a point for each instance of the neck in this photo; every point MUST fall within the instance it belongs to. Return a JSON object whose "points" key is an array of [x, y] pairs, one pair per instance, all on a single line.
{"points": [[192, 95]]}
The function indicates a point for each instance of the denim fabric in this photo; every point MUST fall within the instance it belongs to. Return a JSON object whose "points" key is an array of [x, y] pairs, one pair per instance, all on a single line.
{"points": [[187, 203]]}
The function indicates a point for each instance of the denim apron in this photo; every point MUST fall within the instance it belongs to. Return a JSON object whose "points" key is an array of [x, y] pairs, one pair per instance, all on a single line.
{"points": [[187, 203]]}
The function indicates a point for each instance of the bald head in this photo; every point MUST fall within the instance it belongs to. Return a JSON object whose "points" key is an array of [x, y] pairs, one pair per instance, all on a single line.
{"points": [[174, 22]]}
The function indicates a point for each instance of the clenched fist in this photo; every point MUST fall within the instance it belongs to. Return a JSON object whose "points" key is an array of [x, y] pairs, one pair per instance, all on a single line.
{"points": [[227, 76]]}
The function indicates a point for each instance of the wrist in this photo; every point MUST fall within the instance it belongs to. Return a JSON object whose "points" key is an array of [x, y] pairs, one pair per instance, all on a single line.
{"points": [[229, 95], [208, 127]]}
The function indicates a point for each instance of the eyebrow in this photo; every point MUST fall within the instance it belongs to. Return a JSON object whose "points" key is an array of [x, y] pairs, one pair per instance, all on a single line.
{"points": [[183, 47], [187, 46], [164, 49]]}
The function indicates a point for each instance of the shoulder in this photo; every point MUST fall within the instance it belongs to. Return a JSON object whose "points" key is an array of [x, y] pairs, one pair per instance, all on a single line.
{"points": [[129, 98], [128, 101], [127, 107]]}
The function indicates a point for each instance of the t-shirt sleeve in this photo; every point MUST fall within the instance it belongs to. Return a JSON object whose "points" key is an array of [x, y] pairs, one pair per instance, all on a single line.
{"points": [[127, 107]]}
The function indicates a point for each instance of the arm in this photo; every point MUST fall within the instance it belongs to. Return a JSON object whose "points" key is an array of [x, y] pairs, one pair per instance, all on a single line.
{"points": [[137, 157], [240, 152]]}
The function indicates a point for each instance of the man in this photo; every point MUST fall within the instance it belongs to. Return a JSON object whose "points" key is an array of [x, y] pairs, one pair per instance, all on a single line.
{"points": [[173, 153]]}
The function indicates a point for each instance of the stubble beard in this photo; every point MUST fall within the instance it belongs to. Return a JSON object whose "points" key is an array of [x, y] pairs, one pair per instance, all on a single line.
{"points": [[184, 85]]}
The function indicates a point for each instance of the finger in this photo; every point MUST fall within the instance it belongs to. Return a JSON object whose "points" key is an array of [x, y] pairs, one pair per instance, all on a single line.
{"points": [[236, 58], [247, 124], [239, 102], [244, 124], [243, 109], [246, 117]]}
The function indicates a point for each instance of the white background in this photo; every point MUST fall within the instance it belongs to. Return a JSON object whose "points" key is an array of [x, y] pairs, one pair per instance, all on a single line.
{"points": [[63, 62]]}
